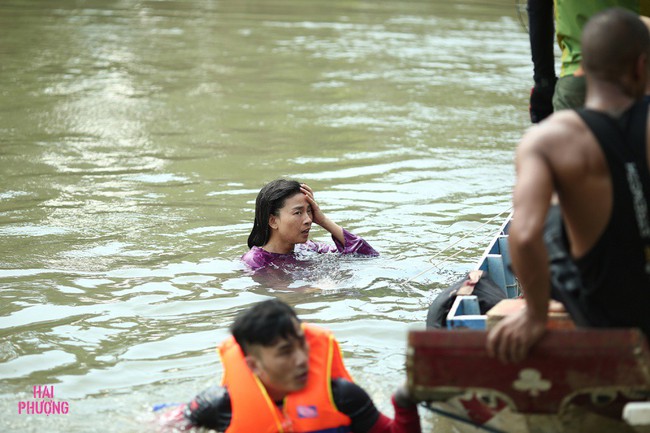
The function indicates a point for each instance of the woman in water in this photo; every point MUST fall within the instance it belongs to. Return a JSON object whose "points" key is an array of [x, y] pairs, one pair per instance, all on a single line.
{"points": [[284, 213]]}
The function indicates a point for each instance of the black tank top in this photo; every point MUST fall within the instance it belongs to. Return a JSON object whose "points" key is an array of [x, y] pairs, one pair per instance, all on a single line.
{"points": [[615, 272]]}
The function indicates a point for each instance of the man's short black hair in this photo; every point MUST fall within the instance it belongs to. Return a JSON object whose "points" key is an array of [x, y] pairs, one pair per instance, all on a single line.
{"points": [[612, 41], [264, 324]]}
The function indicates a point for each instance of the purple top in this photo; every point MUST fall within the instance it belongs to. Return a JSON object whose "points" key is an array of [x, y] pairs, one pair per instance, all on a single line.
{"points": [[257, 258]]}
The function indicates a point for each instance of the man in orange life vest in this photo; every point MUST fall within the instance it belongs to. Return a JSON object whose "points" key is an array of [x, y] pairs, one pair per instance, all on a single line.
{"points": [[284, 376]]}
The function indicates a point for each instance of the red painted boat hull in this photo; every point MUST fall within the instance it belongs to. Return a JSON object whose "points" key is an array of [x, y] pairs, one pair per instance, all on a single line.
{"points": [[595, 369]]}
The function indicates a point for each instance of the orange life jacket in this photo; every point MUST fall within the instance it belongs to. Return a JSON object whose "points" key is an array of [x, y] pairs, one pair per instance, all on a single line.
{"points": [[311, 409]]}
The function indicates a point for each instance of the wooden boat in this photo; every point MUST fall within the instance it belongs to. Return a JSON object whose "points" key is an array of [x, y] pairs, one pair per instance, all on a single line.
{"points": [[574, 380]]}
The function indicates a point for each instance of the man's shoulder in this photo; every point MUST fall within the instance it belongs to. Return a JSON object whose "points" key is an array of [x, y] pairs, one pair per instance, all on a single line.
{"points": [[556, 131], [345, 390], [563, 123], [352, 400]]}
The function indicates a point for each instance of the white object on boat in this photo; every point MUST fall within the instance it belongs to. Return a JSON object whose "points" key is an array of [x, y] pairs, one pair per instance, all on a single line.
{"points": [[637, 413]]}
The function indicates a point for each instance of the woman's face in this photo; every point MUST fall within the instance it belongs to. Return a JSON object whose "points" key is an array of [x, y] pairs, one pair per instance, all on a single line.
{"points": [[294, 220]]}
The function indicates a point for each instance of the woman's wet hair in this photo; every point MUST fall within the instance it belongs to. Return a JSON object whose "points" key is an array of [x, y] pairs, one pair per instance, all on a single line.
{"points": [[269, 201], [264, 323]]}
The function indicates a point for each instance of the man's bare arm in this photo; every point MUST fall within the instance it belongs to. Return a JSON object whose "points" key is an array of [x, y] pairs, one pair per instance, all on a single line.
{"points": [[513, 337]]}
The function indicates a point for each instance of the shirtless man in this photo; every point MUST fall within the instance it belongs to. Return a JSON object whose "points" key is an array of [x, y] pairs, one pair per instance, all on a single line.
{"points": [[605, 216]]}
